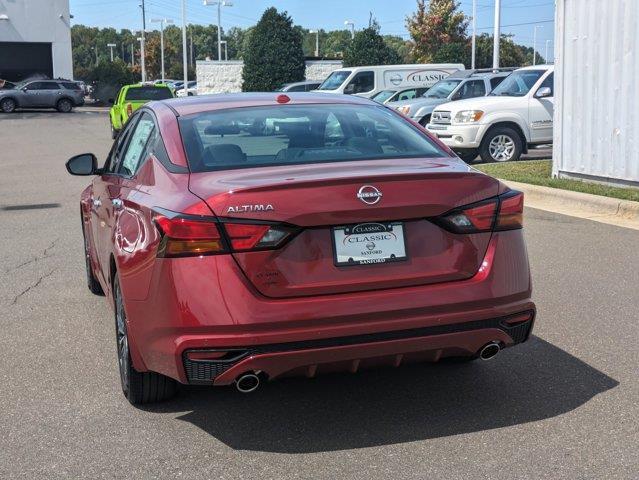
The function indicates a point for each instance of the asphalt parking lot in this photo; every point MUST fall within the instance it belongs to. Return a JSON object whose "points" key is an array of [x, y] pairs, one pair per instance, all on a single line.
{"points": [[563, 405]]}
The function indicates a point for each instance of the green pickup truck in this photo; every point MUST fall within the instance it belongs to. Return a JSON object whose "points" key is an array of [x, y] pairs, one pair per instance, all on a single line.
{"points": [[132, 97]]}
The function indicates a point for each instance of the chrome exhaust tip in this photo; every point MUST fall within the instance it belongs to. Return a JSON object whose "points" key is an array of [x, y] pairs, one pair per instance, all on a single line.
{"points": [[247, 382], [489, 351]]}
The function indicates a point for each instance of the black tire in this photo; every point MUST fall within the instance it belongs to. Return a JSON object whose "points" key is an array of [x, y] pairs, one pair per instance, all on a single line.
{"points": [[64, 105], [467, 155], [501, 144], [92, 282], [189, 94], [138, 387], [425, 121], [8, 105]]}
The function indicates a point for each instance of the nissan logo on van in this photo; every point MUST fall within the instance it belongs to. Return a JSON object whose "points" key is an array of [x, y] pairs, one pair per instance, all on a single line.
{"points": [[396, 79]]}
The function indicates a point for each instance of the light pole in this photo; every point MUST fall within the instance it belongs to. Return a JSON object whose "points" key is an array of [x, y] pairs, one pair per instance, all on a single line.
{"points": [[220, 4], [184, 58], [162, 21], [546, 56], [142, 60], [226, 51], [141, 40], [352, 24], [496, 34], [535, 43], [111, 47], [316, 32], [472, 43]]}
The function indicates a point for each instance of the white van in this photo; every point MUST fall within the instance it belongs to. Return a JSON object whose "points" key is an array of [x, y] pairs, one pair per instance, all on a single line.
{"points": [[367, 81]]}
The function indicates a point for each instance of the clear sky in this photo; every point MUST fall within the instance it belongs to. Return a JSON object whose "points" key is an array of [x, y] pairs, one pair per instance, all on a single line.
{"points": [[326, 14]]}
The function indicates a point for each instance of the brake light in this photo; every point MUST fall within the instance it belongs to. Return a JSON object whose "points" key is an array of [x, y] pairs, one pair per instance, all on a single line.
{"points": [[190, 235], [511, 211], [185, 237], [504, 212], [129, 109], [255, 236]]}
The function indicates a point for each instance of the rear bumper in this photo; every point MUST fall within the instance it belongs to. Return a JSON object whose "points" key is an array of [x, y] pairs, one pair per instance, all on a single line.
{"points": [[207, 303], [353, 353]]}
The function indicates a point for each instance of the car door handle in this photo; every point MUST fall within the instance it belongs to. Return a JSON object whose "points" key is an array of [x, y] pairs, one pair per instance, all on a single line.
{"points": [[117, 203], [97, 203]]}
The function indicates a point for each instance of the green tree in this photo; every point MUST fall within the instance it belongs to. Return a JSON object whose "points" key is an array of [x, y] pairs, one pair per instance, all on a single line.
{"points": [[274, 53], [401, 46], [108, 77], [442, 24], [368, 48], [335, 43], [510, 53]]}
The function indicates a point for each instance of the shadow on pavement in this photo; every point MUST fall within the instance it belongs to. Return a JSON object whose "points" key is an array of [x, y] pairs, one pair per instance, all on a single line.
{"points": [[532, 382]]}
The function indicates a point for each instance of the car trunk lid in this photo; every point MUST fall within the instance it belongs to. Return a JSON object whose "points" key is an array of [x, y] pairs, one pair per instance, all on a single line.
{"points": [[318, 198]]}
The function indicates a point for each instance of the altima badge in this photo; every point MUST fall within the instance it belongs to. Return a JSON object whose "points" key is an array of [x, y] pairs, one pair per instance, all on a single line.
{"points": [[250, 208], [369, 194]]}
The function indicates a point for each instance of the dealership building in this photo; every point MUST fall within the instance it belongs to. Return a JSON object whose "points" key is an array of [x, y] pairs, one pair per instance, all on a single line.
{"points": [[35, 39]]}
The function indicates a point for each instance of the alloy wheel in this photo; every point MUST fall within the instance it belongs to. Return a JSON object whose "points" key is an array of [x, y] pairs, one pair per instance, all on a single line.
{"points": [[122, 339], [501, 148], [8, 105]]}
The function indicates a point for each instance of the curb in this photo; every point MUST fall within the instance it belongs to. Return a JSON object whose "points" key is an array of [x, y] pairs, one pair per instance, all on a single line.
{"points": [[609, 210]]}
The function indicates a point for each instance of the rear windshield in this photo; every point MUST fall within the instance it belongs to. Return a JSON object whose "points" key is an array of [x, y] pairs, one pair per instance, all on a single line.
{"points": [[299, 134], [148, 93], [334, 80], [384, 95], [518, 83]]}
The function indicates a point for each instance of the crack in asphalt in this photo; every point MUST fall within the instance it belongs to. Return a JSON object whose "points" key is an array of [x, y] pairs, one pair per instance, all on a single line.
{"points": [[37, 258], [31, 287]]}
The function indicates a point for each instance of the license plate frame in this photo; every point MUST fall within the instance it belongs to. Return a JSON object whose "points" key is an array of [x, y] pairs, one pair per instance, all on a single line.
{"points": [[391, 249]]}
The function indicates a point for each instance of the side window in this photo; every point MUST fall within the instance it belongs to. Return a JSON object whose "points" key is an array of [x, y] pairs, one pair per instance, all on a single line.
{"points": [[549, 82], [113, 160], [472, 89], [39, 86], [407, 95], [495, 81], [136, 146], [296, 88], [362, 82]]}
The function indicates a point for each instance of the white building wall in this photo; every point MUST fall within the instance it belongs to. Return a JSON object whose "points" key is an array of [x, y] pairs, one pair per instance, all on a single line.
{"points": [[40, 21], [226, 77], [596, 123]]}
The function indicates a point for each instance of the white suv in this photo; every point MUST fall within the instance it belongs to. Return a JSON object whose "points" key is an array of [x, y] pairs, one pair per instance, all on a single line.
{"points": [[516, 115]]}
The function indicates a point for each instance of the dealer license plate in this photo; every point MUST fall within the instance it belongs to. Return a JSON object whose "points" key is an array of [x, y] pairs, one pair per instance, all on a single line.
{"points": [[366, 243]]}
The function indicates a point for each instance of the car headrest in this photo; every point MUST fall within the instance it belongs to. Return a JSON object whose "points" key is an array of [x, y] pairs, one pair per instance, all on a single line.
{"points": [[225, 153], [364, 144]]}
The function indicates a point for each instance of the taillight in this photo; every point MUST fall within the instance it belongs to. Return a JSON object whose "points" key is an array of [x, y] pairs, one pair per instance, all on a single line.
{"points": [[511, 211], [258, 236], [185, 237], [190, 235], [504, 212], [129, 109]]}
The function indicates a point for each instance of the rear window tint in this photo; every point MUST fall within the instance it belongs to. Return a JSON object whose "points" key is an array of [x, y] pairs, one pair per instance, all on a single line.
{"points": [[299, 134], [148, 93]]}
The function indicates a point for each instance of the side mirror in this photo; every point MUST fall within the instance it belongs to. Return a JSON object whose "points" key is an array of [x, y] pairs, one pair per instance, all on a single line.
{"points": [[110, 101], [349, 89], [543, 92], [24, 89], [83, 164]]}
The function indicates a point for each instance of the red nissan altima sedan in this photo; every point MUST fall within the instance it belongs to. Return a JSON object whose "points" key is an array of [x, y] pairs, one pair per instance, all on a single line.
{"points": [[241, 238]]}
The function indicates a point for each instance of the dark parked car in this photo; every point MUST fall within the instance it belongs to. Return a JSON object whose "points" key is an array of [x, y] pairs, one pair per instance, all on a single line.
{"points": [[305, 86], [62, 95]]}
